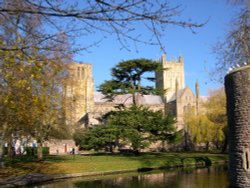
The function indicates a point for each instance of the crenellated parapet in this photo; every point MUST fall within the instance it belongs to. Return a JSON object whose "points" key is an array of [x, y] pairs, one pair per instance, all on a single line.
{"points": [[173, 71]]}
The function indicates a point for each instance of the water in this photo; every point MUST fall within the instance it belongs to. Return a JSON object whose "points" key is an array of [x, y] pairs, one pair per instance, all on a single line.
{"points": [[211, 177]]}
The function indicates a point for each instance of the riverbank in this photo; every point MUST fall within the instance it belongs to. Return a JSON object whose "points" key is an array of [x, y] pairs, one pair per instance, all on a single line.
{"points": [[26, 170]]}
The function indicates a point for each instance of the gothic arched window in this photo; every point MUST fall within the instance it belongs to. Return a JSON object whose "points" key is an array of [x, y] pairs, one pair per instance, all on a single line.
{"points": [[78, 72], [82, 73]]}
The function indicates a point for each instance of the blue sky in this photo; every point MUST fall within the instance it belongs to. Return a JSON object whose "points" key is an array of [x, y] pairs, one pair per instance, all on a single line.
{"points": [[196, 49]]}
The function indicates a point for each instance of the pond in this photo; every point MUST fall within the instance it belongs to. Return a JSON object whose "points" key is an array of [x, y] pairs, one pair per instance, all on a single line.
{"points": [[210, 177]]}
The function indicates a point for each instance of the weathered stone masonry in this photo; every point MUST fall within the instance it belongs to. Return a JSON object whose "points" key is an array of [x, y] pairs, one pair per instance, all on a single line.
{"points": [[84, 106], [237, 85]]}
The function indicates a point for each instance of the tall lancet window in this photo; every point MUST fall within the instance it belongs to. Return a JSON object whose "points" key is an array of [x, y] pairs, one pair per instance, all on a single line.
{"points": [[82, 73], [78, 72]]}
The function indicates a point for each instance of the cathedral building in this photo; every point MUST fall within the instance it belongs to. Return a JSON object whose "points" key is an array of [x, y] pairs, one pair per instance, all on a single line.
{"points": [[84, 106], [177, 97]]}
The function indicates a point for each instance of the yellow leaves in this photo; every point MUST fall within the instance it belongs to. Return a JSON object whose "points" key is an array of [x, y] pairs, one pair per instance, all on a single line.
{"points": [[209, 126], [5, 98], [21, 83], [202, 129], [216, 107], [5, 101], [30, 97], [21, 69], [35, 99]]}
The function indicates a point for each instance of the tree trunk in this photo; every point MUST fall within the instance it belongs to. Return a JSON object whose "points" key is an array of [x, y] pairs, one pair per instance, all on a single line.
{"points": [[163, 145], [224, 148], [111, 148], [138, 92], [186, 148], [207, 146], [1, 157], [1, 151], [134, 98], [39, 151], [137, 99], [11, 149]]}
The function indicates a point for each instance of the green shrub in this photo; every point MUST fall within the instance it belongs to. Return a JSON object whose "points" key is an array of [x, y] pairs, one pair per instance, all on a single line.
{"points": [[5, 150], [33, 150]]}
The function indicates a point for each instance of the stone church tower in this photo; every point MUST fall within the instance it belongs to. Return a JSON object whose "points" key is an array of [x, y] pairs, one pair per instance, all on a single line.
{"points": [[173, 74], [83, 106], [178, 98], [79, 93]]}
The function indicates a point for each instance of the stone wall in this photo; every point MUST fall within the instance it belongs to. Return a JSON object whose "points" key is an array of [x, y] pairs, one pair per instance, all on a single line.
{"points": [[166, 80], [79, 93], [60, 147], [103, 108], [185, 102], [237, 85]]}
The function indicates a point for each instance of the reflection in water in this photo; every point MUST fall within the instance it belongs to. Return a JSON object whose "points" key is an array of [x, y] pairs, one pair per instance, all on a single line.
{"points": [[178, 178]]}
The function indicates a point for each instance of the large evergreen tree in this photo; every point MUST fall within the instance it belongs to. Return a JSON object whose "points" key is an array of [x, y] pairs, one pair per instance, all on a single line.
{"points": [[128, 76], [135, 126]]}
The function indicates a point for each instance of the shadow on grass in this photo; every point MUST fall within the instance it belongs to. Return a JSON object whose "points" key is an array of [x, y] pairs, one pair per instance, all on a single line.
{"points": [[142, 162], [147, 159], [151, 160], [28, 159], [25, 164], [168, 160], [199, 161]]}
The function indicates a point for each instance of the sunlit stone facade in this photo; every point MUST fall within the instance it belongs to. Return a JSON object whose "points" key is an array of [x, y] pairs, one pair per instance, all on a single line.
{"points": [[79, 92], [178, 98], [86, 106]]}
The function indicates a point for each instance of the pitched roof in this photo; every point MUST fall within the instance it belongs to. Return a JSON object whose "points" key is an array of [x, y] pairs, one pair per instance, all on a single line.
{"points": [[180, 93], [127, 99]]}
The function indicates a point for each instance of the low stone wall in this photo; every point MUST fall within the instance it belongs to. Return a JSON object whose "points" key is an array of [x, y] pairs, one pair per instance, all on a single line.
{"points": [[237, 85], [61, 147]]}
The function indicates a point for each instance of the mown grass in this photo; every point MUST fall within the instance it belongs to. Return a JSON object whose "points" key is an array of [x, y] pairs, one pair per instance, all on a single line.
{"points": [[21, 165]]}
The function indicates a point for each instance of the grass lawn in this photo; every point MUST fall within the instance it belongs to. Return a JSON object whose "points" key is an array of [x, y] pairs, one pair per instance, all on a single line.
{"points": [[21, 165]]}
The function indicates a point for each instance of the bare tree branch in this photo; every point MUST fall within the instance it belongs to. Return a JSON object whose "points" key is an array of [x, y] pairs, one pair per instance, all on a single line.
{"points": [[102, 16], [234, 50]]}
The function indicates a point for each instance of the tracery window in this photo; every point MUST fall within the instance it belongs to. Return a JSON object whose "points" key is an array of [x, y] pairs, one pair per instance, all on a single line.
{"points": [[78, 72], [82, 73]]}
